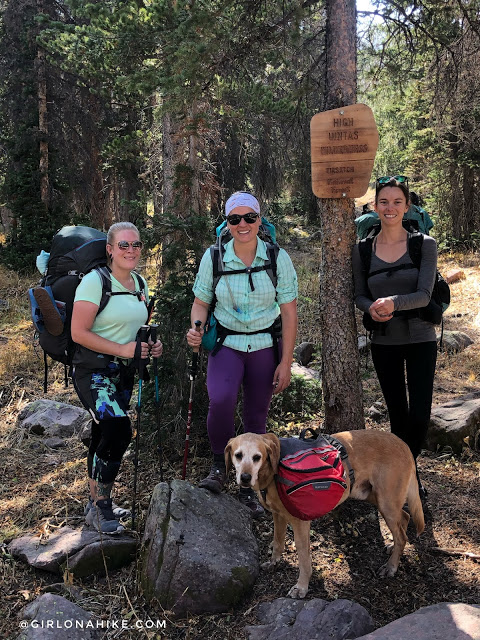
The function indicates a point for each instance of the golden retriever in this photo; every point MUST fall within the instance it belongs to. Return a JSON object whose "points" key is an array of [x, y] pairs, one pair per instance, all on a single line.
{"points": [[384, 475]]}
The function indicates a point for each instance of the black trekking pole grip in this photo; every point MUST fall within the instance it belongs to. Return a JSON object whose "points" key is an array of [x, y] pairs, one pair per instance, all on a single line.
{"points": [[142, 337]]}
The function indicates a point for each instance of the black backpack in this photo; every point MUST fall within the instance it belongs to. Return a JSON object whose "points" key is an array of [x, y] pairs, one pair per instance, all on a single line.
{"points": [[75, 251], [440, 298]]}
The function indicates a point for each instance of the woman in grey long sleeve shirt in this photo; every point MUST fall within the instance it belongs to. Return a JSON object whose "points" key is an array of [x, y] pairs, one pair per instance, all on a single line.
{"points": [[400, 341]]}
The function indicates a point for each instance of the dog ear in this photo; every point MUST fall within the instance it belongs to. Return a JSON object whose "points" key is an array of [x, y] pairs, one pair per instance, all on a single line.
{"points": [[228, 455], [272, 444]]}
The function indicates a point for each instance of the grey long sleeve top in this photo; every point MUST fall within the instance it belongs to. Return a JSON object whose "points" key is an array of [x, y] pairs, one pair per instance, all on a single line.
{"points": [[409, 289]]}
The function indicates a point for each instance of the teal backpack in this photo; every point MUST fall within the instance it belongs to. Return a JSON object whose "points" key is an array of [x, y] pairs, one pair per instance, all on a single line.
{"points": [[419, 218]]}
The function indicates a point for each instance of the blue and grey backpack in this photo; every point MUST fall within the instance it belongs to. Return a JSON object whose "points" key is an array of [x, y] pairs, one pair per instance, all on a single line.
{"points": [[75, 251]]}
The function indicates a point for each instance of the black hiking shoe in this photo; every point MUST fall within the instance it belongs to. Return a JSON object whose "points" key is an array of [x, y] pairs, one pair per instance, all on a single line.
{"points": [[215, 480], [118, 512], [249, 500], [51, 316], [101, 518]]}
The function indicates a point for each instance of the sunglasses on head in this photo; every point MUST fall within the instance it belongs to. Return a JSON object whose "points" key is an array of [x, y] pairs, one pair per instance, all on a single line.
{"points": [[386, 179], [234, 218], [123, 245]]}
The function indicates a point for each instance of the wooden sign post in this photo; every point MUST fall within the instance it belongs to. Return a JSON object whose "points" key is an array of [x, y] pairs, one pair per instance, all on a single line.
{"points": [[344, 143]]}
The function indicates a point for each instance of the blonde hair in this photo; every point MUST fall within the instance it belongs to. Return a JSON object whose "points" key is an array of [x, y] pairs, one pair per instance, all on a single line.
{"points": [[119, 226]]}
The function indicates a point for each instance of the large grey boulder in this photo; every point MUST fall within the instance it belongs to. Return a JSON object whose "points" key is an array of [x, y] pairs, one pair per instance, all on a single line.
{"points": [[452, 422], [287, 619], [200, 555], [46, 417], [83, 551], [51, 617], [455, 621]]}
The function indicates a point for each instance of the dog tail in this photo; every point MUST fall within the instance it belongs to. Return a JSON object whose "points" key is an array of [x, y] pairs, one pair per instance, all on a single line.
{"points": [[415, 504]]}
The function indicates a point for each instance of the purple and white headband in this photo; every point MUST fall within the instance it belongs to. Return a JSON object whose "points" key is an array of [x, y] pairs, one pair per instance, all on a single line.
{"points": [[241, 199]]}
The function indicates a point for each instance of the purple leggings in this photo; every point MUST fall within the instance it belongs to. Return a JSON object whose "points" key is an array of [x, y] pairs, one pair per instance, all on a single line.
{"points": [[226, 372]]}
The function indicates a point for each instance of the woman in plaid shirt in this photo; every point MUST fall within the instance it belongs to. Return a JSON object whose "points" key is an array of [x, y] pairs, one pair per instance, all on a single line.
{"points": [[246, 304]]}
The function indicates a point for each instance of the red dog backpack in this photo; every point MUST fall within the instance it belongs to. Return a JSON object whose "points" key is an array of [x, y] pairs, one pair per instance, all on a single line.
{"points": [[311, 476]]}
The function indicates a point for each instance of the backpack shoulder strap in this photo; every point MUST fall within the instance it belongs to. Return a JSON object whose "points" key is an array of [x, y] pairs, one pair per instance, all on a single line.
{"points": [[415, 242], [270, 267], [215, 255], [140, 281], [104, 274], [272, 250], [365, 247]]}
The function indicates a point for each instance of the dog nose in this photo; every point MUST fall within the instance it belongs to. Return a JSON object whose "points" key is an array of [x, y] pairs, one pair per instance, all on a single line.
{"points": [[245, 478]]}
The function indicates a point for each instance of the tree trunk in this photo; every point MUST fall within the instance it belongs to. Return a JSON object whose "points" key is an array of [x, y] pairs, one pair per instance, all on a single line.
{"points": [[43, 127], [468, 226], [341, 383]]}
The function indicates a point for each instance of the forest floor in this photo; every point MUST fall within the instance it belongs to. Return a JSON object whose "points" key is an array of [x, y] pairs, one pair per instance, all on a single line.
{"points": [[42, 489]]}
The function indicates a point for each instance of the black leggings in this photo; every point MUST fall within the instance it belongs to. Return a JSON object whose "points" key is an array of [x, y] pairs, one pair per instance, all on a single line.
{"points": [[409, 419], [108, 443]]}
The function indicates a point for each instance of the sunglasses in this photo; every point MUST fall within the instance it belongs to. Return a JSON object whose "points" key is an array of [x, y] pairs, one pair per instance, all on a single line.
{"points": [[234, 218], [386, 179], [136, 245]]}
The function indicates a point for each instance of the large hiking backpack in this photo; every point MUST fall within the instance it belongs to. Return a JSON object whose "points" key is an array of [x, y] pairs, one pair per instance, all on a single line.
{"points": [[311, 477], [75, 251], [440, 299], [416, 216], [214, 335]]}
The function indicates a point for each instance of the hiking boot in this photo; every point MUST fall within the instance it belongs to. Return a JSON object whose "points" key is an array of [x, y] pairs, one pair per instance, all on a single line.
{"points": [[52, 319], [118, 512], [215, 480], [101, 518], [249, 500]]}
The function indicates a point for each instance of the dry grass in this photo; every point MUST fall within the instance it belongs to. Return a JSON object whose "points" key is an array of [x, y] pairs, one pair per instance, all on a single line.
{"points": [[41, 489]]}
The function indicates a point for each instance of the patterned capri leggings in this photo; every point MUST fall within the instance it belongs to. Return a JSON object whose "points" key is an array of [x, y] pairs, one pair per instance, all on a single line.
{"points": [[106, 395]]}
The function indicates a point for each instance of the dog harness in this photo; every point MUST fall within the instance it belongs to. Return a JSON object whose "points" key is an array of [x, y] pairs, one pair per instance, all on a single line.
{"points": [[298, 450]]}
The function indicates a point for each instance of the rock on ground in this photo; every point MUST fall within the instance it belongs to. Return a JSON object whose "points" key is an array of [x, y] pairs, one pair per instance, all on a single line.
{"points": [[454, 275], [452, 422], [200, 555], [452, 621], [54, 419], [305, 372], [51, 617], [454, 341], [82, 551], [304, 352], [287, 619]]}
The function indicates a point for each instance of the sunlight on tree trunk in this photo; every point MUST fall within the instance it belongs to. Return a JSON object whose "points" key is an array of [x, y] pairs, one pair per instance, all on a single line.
{"points": [[340, 358], [43, 126]]}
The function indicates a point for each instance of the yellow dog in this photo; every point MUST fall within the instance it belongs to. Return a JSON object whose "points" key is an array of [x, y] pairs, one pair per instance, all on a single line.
{"points": [[384, 475]]}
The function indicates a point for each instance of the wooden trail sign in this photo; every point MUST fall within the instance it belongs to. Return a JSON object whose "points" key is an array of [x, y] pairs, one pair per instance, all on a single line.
{"points": [[344, 142]]}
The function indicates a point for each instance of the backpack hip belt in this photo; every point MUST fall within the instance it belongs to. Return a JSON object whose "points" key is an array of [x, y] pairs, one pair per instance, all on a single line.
{"points": [[275, 330]]}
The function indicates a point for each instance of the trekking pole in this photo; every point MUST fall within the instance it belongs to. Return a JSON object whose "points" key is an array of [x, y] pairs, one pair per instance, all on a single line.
{"points": [[193, 373], [153, 336], [143, 337]]}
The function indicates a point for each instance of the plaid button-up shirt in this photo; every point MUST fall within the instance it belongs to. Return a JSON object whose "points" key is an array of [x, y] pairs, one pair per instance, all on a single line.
{"points": [[242, 309]]}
